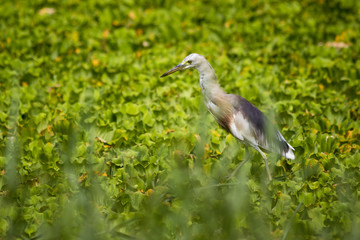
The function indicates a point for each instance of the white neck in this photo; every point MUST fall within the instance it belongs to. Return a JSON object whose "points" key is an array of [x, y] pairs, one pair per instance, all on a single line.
{"points": [[208, 81]]}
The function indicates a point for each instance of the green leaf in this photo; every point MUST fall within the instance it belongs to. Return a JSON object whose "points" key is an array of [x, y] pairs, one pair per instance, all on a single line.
{"points": [[48, 148], [318, 217], [3, 116], [308, 198], [31, 229], [148, 119], [136, 199], [132, 109], [321, 62], [313, 185]]}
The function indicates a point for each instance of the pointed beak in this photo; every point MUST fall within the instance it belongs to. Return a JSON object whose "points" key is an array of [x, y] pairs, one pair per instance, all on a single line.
{"points": [[174, 69]]}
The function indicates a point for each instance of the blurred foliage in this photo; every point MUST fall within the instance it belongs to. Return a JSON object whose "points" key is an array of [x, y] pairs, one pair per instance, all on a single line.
{"points": [[94, 145]]}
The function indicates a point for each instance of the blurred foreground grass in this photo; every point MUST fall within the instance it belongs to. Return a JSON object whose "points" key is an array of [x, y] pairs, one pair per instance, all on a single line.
{"points": [[94, 145]]}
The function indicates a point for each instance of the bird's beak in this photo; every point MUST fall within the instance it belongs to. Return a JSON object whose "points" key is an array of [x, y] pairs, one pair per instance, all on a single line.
{"points": [[174, 69]]}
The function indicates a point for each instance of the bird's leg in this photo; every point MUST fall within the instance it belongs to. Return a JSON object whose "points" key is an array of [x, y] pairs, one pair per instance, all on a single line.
{"points": [[267, 168], [266, 162], [247, 157]]}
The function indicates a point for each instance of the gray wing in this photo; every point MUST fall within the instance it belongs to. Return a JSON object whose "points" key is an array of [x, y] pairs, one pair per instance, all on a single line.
{"points": [[261, 132]]}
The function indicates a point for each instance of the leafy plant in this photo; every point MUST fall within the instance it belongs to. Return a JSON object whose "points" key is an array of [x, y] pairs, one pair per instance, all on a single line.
{"points": [[95, 145]]}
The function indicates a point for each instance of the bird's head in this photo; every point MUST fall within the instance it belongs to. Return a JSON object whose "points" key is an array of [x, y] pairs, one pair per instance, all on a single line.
{"points": [[191, 61]]}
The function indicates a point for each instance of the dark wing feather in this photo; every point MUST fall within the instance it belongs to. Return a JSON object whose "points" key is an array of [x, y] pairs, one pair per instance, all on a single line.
{"points": [[267, 135]]}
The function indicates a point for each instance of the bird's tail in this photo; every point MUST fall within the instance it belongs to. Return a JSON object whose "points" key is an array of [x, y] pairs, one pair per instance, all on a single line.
{"points": [[289, 153], [286, 150]]}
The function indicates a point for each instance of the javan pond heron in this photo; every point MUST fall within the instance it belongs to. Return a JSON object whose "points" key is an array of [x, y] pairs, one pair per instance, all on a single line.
{"points": [[236, 114]]}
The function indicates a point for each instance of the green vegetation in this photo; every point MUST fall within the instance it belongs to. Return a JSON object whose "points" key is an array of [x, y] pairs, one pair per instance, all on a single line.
{"points": [[95, 145]]}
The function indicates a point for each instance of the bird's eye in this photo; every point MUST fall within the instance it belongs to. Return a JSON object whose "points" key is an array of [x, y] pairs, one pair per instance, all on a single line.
{"points": [[189, 61]]}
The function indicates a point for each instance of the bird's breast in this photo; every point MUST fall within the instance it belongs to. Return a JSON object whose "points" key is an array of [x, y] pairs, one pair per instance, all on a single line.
{"points": [[221, 113]]}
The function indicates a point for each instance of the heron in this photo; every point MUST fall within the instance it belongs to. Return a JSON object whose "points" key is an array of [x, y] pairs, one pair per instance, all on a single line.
{"points": [[236, 115]]}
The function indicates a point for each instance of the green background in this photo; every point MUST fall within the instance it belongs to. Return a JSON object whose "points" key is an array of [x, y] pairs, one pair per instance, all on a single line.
{"points": [[95, 145]]}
